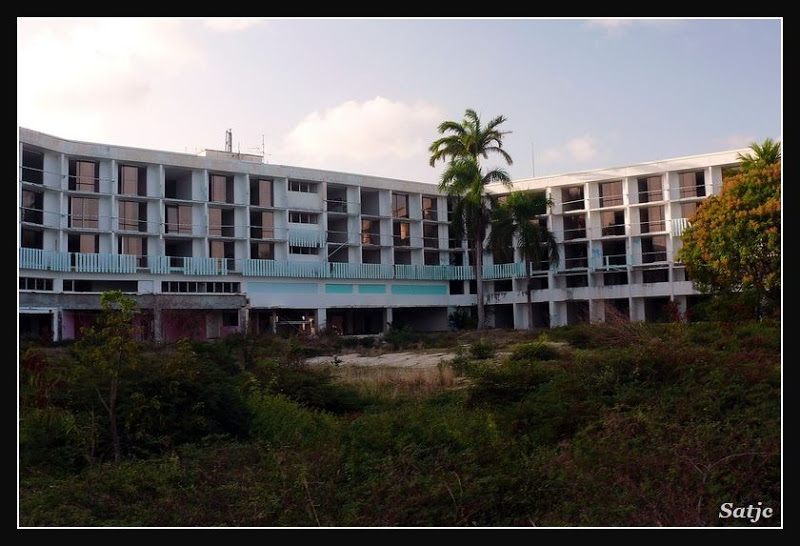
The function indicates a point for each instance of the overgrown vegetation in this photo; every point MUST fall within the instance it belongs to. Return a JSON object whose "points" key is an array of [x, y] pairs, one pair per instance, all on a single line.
{"points": [[607, 425]]}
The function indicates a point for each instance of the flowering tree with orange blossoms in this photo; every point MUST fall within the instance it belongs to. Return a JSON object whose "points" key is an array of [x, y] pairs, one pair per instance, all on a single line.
{"points": [[733, 244]]}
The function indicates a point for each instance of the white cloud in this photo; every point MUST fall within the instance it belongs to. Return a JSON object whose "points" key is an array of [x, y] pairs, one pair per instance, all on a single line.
{"points": [[616, 26], [71, 71], [733, 142], [577, 149], [231, 25], [363, 131], [610, 24]]}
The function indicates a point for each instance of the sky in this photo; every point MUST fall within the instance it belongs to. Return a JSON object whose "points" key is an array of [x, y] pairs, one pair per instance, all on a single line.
{"points": [[367, 95]]}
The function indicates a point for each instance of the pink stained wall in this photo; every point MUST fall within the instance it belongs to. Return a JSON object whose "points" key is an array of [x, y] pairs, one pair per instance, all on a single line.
{"points": [[183, 324]]}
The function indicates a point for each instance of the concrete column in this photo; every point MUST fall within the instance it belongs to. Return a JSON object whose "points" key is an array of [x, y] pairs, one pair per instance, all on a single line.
{"points": [[388, 317], [157, 325], [244, 315], [322, 319], [54, 325], [274, 322]]}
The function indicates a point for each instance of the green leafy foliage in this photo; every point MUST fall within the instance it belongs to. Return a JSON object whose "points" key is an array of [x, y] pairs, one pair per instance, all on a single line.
{"points": [[648, 425], [734, 242]]}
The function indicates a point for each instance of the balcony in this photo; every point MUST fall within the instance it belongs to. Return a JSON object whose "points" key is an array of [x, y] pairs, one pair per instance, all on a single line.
{"points": [[311, 238], [679, 225]]}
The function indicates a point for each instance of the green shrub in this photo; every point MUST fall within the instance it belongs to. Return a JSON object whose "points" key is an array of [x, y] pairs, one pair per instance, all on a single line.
{"points": [[483, 349], [537, 350], [463, 318], [400, 337], [278, 420]]}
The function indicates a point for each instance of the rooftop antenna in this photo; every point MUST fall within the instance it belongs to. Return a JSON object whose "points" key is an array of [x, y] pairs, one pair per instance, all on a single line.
{"points": [[229, 140]]}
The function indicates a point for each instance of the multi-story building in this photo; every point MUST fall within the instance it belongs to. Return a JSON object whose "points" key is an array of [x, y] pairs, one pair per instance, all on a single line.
{"points": [[221, 242]]}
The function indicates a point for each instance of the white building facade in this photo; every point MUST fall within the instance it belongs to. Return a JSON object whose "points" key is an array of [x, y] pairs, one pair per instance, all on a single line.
{"points": [[221, 242]]}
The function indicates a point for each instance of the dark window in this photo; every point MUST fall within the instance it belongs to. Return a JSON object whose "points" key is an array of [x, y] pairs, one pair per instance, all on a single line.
{"points": [[651, 219], [504, 285], [431, 258], [402, 234], [692, 184], [574, 226], [84, 243], [133, 216], [655, 275], [220, 188], [132, 180], [370, 232], [400, 205], [616, 278], [303, 217], [575, 255], [302, 187], [179, 219], [456, 287], [262, 225], [83, 212], [230, 318], [83, 176], [32, 205], [35, 283], [262, 251], [221, 222], [611, 194], [32, 166], [654, 249], [577, 281], [402, 257], [614, 253], [613, 223], [429, 208], [572, 198], [261, 192], [30, 238], [430, 233], [302, 250], [650, 189], [136, 246]]}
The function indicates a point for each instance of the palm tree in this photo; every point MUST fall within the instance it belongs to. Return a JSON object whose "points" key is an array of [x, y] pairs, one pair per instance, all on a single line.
{"points": [[465, 182], [766, 153], [517, 217], [464, 142], [469, 138]]}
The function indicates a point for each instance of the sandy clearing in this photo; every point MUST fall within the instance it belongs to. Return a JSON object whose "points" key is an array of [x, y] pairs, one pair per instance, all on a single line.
{"points": [[398, 360]]}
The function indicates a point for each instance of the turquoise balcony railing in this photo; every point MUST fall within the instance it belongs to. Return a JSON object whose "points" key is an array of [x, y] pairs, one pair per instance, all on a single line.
{"points": [[313, 238], [277, 268], [104, 263], [31, 258], [205, 266]]}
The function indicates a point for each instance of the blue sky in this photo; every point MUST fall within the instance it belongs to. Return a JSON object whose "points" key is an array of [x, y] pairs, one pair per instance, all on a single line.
{"points": [[366, 96]]}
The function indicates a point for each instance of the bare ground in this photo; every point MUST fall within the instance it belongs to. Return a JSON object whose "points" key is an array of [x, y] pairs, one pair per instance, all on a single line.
{"points": [[394, 360]]}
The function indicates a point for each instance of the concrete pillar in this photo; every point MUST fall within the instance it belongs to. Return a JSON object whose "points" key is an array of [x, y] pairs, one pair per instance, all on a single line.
{"points": [[157, 325], [54, 316], [244, 315], [274, 322], [322, 320], [388, 317]]}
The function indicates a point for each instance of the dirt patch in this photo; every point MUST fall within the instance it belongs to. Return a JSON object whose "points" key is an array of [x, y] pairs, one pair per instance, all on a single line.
{"points": [[396, 360]]}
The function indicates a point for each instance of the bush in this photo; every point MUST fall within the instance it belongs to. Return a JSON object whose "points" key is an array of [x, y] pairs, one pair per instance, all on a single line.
{"points": [[401, 337], [279, 420], [538, 350], [483, 349], [463, 318]]}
